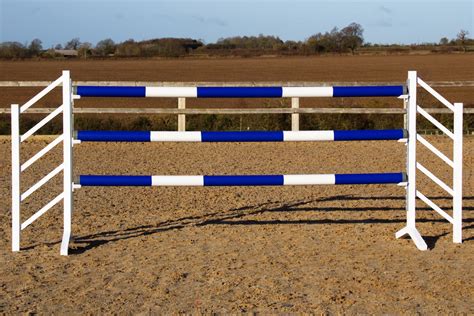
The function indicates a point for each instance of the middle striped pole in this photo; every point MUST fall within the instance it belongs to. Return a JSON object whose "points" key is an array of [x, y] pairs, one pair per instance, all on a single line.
{"points": [[239, 136], [241, 180]]}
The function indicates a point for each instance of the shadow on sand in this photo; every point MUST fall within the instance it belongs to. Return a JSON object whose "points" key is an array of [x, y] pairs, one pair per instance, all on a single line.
{"points": [[237, 217]]}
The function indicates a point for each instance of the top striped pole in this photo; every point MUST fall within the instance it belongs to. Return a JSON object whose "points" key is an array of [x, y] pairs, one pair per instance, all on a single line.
{"points": [[240, 92]]}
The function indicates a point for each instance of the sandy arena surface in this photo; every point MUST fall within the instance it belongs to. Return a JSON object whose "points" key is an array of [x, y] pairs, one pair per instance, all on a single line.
{"points": [[321, 249]]}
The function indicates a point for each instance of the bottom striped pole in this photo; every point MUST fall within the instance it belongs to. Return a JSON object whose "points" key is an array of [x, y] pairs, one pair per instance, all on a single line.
{"points": [[241, 180]]}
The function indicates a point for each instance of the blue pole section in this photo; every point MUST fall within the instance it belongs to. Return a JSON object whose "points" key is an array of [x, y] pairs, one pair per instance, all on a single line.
{"points": [[239, 92], [368, 91], [113, 136], [244, 136], [94, 180], [98, 180], [388, 134], [97, 91], [370, 178]]}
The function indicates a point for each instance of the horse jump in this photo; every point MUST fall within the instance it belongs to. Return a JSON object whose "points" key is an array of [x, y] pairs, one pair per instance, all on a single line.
{"points": [[406, 178]]}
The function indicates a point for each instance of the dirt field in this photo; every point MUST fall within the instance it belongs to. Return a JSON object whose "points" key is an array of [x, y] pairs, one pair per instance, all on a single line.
{"points": [[327, 68], [320, 249], [451, 67]]}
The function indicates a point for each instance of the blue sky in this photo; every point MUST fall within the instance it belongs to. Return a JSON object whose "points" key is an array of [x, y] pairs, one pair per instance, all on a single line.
{"points": [[401, 21]]}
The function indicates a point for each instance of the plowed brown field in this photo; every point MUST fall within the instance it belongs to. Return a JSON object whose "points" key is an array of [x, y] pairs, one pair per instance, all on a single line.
{"points": [[452, 67]]}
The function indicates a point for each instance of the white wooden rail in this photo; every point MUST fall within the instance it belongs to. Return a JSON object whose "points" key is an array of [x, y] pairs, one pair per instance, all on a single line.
{"points": [[181, 109], [436, 84]]}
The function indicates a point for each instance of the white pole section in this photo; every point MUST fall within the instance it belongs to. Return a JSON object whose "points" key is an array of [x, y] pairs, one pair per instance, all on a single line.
{"points": [[457, 173], [181, 117], [295, 117], [411, 148], [67, 156], [15, 136]]}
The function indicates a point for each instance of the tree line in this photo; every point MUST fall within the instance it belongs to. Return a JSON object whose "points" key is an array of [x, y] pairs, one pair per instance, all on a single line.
{"points": [[347, 40]]}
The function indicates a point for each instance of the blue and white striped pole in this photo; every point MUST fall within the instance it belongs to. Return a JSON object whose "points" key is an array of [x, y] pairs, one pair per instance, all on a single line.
{"points": [[241, 180], [240, 136], [240, 92]]}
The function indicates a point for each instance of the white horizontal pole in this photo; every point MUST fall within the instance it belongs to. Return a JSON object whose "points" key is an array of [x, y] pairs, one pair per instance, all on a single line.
{"points": [[435, 179], [167, 136], [43, 210], [435, 122], [177, 180], [435, 150], [301, 92], [438, 96], [37, 97], [309, 179], [434, 206], [41, 123], [308, 136], [41, 182], [164, 92], [42, 152]]}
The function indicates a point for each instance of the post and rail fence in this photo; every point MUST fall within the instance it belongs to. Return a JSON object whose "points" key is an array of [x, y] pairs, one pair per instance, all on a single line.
{"points": [[181, 111]]}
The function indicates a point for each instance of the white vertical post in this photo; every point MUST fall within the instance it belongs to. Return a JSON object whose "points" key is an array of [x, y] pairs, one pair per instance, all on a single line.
{"points": [[457, 173], [410, 227], [411, 150], [295, 117], [67, 156], [181, 117], [15, 136]]}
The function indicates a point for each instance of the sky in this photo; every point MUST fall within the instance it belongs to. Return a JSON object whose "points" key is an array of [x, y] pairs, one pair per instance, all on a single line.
{"points": [[402, 21]]}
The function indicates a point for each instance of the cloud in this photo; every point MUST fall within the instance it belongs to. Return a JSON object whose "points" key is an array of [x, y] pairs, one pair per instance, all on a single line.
{"points": [[383, 23], [214, 21], [385, 17], [35, 10], [384, 9]]}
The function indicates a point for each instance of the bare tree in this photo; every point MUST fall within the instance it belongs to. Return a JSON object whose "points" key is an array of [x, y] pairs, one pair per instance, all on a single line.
{"points": [[462, 38], [444, 41], [73, 44], [84, 50], [35, 47], [352, 36], [105, 47]]}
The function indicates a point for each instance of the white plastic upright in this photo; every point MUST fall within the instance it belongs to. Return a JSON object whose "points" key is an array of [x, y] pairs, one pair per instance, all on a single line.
{"points": [[457, 173], [67, 156], [411, 154], [410, 228], [16, 197]]}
